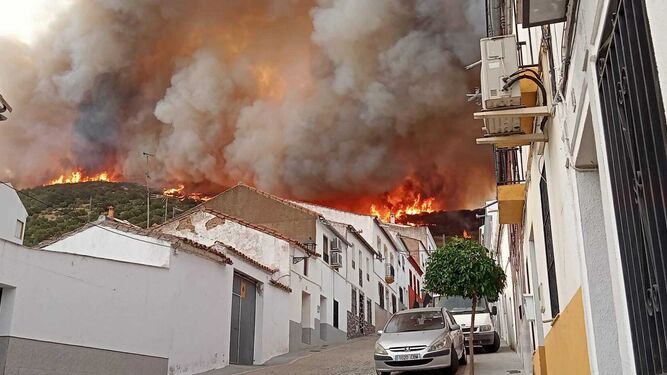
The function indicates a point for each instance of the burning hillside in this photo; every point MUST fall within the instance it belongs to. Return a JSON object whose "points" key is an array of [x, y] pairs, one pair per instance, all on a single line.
{"points": [[357, 103]]}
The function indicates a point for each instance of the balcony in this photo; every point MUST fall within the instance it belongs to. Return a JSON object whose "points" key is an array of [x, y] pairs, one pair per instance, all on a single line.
{"points": [[510, 180], [390, 274]]}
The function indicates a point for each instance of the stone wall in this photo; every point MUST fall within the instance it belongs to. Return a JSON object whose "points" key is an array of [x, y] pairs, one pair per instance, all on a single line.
{"points": [[358, 326]]}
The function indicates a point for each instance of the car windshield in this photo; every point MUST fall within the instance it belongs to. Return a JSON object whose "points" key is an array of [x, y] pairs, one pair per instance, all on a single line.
{"points": [[415, 321], [460, 305]]}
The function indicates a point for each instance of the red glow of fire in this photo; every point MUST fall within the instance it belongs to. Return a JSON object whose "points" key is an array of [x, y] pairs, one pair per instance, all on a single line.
{"points": [[179, 193], [400, 206], [79, 176], [466, 234]]}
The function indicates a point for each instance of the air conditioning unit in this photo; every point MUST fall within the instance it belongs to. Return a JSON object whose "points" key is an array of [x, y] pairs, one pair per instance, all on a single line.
{"points": [[499, 61], [336, 260], [335, 245]]}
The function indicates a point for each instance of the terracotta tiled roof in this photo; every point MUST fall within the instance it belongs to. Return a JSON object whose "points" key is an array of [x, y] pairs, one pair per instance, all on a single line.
{"points": [[248, 259], [261, 228], [120, 225], [271, 196], [281, 286], [356, 233]]}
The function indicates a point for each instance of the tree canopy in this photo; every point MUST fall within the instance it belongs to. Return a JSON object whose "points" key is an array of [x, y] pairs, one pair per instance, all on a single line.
{"points": [[464, 268]]}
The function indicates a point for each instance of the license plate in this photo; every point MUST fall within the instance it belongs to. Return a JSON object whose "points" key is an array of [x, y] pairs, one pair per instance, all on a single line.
{"points": [[407, 357]]}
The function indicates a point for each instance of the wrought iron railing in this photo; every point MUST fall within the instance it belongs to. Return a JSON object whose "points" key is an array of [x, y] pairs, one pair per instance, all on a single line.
{"points": [[509, 166]]}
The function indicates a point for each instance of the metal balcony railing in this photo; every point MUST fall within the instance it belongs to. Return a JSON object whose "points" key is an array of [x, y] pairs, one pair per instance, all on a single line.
{"points": [[509, 166]]}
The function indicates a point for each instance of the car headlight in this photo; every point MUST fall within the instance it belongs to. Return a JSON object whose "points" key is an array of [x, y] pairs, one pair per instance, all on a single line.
{"points": [[486, 328], [438, 344], [379, 350]]}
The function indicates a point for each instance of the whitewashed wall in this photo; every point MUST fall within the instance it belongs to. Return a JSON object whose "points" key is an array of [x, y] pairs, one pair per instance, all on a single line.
{"points": [[99, 303], [11, 209]]}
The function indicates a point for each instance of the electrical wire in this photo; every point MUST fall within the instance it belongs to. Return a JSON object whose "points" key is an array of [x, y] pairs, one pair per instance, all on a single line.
{"points": [[48, 205], [539, 83]]}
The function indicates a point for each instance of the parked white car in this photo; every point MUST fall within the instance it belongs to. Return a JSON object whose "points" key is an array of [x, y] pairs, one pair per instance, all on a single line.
{"points": [[485, 334], [420, 339]]}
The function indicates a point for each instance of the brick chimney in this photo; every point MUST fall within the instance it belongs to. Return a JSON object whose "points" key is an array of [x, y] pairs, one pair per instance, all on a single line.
{"points": [[110, 212]]}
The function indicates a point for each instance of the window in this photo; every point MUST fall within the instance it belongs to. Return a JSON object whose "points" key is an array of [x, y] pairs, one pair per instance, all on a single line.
{"points": [[400, 294], [18, 232], [410, 273], [354, 302], [415, 321], [361, 277], [361, 306], [369, 310], [403, 264], [354, 263], [393, 304], [379, 243], [549, 247], [305, 267], [325, 249], [368, 267], [335, 314], [381, 294]]}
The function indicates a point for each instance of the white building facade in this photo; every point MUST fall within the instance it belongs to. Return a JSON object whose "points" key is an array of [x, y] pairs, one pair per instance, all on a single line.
{"points": [[584, 246], [13, 215]]}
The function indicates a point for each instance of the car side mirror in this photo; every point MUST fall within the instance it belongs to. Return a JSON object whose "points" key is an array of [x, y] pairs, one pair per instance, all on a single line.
{"points": [[380, 332], [494, 310], [455, 327]]}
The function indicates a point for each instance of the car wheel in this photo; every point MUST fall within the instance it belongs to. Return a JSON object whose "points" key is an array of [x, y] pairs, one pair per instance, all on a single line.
{"points": [[454, 363], [495, 346], [464, 358]]}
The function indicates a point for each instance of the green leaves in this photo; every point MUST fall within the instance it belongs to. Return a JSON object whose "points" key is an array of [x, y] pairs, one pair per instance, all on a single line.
{"points": [[464, 268]]}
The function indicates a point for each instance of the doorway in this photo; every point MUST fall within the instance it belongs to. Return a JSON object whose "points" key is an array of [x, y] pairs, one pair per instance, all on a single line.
{"points": [[242, 333], [305, 318]]}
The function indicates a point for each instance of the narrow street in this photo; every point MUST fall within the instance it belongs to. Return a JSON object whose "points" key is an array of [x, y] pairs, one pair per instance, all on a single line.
{"points": [[356, 358]]}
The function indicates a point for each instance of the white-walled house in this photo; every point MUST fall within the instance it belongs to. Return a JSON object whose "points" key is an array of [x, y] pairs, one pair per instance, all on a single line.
{"points": [[581, 220], [146, 302], [65, 312], [321, 290], [13, 215], [392, 267]]}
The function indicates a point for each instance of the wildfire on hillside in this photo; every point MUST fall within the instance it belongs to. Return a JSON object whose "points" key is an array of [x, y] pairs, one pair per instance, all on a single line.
{"points": [[398, 204], [80, 176], [179, 193]]}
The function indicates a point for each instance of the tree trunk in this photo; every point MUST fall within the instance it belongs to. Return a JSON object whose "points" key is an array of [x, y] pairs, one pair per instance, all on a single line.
{"points": [[471, 336]]}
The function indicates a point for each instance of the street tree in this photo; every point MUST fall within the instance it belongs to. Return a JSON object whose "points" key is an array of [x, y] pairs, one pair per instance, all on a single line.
{"points": [[464, 268]]}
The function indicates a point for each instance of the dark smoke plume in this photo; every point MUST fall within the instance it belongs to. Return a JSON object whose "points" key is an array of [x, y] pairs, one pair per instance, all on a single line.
{"points": [[324, 100]]}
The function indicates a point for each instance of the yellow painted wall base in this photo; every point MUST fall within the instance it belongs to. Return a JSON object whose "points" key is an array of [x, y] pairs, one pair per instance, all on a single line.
{"points": [[565, 349], [539, 362]]}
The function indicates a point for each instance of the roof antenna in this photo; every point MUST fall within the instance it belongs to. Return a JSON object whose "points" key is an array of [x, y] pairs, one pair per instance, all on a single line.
{"points": [[148, 192]]}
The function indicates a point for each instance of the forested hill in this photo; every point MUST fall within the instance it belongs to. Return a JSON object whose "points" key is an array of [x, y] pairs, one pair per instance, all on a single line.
{"points": [[67, 206]]}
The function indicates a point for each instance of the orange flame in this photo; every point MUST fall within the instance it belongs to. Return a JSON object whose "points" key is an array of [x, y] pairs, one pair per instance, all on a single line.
{"points": [[179, 193], [79, 176], [399, 208], [466, 234]]}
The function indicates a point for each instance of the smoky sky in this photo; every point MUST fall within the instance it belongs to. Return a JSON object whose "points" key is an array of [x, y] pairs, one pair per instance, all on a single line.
{"points": [[316, 100]]}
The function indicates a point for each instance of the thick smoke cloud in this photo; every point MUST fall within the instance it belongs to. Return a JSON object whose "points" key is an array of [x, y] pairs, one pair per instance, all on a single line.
{"points": [[325, 101]]}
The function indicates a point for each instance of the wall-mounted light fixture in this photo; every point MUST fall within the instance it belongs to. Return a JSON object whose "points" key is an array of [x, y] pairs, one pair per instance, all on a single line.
{"points": [[542, 12], [310, 245]]}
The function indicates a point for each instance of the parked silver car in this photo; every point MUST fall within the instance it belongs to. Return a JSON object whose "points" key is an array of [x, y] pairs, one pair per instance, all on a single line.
{"points": [[420, 339]]}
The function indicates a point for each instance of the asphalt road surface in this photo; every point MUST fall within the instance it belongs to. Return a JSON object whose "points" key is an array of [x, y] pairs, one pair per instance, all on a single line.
{"points": [[356, 358]]}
